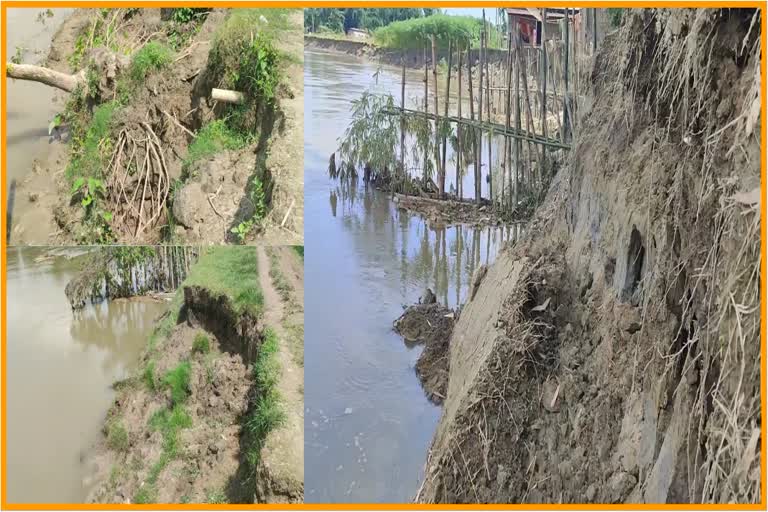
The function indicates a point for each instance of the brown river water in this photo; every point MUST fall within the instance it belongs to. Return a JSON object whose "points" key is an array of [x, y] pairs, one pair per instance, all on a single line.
{"points": [[61, 367], [368, 424]]}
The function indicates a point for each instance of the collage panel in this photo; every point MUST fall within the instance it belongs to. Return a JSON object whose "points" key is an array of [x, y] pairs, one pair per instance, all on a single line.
{"points": [[154, 126], [542, 230], [160, 374]]}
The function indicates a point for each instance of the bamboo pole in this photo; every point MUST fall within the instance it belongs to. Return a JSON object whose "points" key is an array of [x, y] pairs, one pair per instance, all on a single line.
{"points": [[459, 155], [447, 101], [471, 105], [490, 132], [479, 147], [531, 128], [402, 119], [426, 111], [543, 84], [517, 116], [567, 44], [507, 114], [440, 191]]}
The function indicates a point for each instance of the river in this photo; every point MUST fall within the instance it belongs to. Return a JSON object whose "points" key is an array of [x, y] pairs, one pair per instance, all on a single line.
{"points": [[368, 423], [61, 366]]}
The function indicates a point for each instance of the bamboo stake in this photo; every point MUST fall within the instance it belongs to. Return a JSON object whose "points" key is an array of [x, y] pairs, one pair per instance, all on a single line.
{"points": [[479, 147], [543, 84], [490, 132], [529, 118], [426, 111], [517, 115], [440, 191], [471, 105], [459, 155], [447, 101], [402, 119], [565, 74], [507, 114]]}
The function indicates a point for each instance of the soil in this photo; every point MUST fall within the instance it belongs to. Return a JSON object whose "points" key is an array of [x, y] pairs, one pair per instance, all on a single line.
{"points": [[170, 102], [281, 467], [431, 325], [219, 396], [587, 366]]}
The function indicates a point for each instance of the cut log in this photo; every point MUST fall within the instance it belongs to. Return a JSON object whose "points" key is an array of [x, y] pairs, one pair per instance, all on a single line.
{"points": [[228, 96], [45, 76]]}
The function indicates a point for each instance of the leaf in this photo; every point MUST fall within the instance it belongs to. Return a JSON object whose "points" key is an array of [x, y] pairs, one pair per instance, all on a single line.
{"points": [[77, 184], [88, 199], [542, 307], [107, 216]]}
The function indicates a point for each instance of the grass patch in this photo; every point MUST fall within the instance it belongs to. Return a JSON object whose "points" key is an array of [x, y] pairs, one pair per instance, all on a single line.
{"points": [[216, 497], [117, 436], [201, 344], [152, 57], [296, 342], [212, 138], [148, 376], [177, 380], [266, 413], [231, 271], [299, 249]]}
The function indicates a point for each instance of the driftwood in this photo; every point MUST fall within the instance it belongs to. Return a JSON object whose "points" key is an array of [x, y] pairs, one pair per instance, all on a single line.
{"points": [[45, 76]]}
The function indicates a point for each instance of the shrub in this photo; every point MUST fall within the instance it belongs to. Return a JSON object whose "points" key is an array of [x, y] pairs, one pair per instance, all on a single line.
{"points": [[201, 344], [178, 382]]}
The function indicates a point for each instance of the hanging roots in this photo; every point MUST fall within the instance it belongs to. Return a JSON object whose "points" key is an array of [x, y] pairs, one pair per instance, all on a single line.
{"points": [[139, 183]]}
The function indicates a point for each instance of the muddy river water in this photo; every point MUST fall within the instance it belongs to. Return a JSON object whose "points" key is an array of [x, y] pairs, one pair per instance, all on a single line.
{"points": [[368, 424], [61, 367]]}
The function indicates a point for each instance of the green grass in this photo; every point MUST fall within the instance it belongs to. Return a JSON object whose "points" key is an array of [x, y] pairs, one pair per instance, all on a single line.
{"points": [[148, 376], [266, 413], [216, 497], [201, 344], [296, 342], [231, 271], [117, 436], [177, 380], [152, 57], [91, 144], [212, 138], [299, 250]]}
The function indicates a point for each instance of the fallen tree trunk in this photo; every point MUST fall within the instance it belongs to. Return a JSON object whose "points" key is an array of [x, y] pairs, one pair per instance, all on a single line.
{"points": [[45, 76], [228, 96]]}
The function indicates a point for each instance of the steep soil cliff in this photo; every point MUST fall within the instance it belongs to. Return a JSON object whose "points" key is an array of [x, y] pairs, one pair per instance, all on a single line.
{"points": [[613, 355]]}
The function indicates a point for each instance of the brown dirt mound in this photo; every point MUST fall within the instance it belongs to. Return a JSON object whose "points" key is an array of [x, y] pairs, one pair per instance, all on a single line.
{"points": [[613, 355], [432, 325]]}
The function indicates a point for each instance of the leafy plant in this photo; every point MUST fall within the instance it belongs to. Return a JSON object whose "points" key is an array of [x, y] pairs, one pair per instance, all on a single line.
{"points": [[242, 230], [201, 344], [18, 57], [187, 14], [89, 189]]}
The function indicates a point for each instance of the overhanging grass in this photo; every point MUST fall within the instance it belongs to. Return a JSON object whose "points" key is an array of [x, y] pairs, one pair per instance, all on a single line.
{"points": [[231, 271], [266, 413]]}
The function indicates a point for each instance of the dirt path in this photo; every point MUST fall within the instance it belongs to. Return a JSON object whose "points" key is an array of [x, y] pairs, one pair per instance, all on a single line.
{"points": [[282, 458]]}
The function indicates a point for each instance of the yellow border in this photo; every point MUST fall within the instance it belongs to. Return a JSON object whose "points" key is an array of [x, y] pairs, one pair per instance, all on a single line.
{"points": [[383, 3]]}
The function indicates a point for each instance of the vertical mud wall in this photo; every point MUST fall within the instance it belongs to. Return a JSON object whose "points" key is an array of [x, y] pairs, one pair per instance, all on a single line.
{"points": [[613, 355]]}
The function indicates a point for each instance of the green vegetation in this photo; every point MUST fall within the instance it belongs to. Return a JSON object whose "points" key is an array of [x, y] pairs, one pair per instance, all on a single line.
{"points": [[615, 15], [258, 199], [187, 14], [278, 279], [216, 497], [232, 271], [201, 344], [148, 376], [117, 436], [265, 414], [417, 33], [341, 20], [102, 32], [177, 380], [152, 57], [213, 137], [299, 250]]}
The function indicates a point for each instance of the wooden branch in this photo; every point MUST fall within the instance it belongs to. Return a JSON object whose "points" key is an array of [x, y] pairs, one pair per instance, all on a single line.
{"points": [[228, 96], [45, 76]]}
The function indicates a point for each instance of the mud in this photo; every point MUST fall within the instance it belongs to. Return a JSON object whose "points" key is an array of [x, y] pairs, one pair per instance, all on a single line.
{"points": [[588, 363], [211, 466], [173, 104], [431, 325]]}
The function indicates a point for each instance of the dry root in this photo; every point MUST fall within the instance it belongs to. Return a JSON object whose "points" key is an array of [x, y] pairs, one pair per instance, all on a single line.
{"points": [[139, 182]]}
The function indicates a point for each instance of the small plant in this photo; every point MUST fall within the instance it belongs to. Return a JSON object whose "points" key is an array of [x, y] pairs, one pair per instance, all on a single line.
{"points": [[117, 436], [149, 376], [178, 382], [89, 190], [258, 198], [18, 57], [201, 344], [216, 497], [187, 14], [242, 230], [152, 57]]}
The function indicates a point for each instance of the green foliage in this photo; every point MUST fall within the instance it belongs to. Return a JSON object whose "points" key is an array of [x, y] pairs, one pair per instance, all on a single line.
{"points": [[266, 413], [340, 20], [177, 380], [216, 497], [102, 31], [148, 376], [242, 230], [299, 250], [18, 57], [92, 143], [371, 138], [117, 436], [212, 138], [187, 14], [232, 271], [153, 56], [201, 344], [258, 199], [417, 33]]}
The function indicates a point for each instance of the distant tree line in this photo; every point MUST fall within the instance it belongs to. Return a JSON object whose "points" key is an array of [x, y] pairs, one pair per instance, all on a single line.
{"points": [[341, 20]]}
